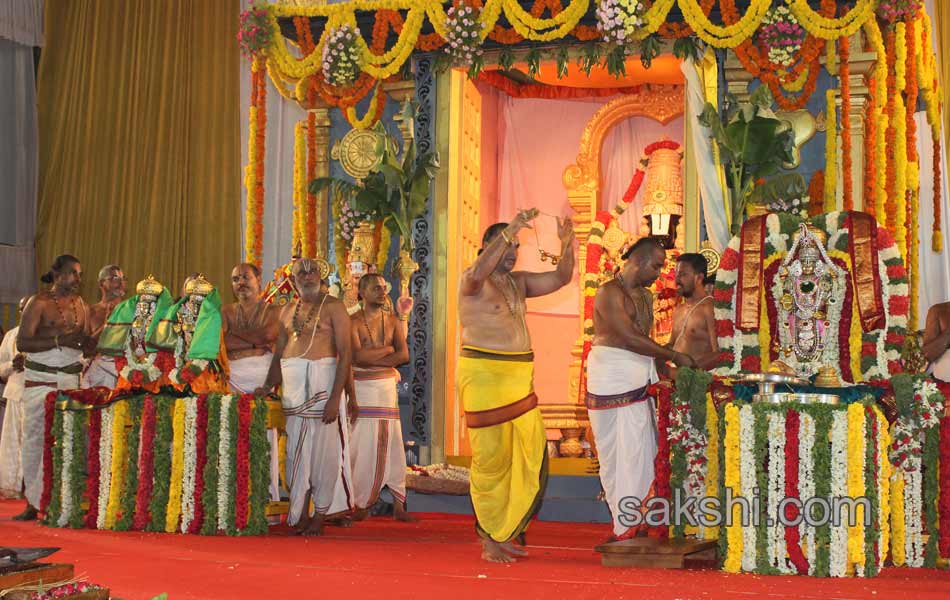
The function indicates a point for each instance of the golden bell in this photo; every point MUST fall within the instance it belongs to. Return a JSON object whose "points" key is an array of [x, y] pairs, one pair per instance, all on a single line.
{"points": [[199, 286], [149, 287]]}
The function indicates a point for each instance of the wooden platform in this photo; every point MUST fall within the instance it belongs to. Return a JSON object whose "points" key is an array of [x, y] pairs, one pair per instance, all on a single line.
{"points": [[16, 575], [659, 554]]}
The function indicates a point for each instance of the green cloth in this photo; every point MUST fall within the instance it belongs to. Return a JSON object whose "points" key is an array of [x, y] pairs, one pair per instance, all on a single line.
{"points": [[206, 340], [116, 331]]}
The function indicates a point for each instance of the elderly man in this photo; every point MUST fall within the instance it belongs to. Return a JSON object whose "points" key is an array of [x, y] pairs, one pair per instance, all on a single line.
{"points": [[496, 384], [312, 359], [101, 371], [53, 331], [11, 371]]}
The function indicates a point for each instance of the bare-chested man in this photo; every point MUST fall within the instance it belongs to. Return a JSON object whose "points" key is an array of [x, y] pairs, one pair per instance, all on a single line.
{"points": [[937, 340], [250, 328], [101, 370], [376, 449], [694, 323], [53, 331], [312, 359], [495, 380], [620, 367]]}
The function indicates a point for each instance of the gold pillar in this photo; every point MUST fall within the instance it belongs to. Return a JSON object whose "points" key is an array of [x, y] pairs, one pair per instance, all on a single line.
{"points": [[322, 119]]}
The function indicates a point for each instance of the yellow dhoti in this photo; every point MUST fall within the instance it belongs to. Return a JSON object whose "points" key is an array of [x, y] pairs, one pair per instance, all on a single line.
{"points": [[509, 459]]}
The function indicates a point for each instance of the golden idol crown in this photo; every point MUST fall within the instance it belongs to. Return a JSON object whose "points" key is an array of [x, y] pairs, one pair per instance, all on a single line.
{"points": [[199, 286], [149, 287]]}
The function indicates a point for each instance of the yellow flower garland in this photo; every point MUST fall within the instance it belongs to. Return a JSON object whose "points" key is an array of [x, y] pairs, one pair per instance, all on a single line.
{"points": [[798, 84], [829, 29], [831, 57], [733, 560], [118, 466], [558, 26], [382, 253], [873, 34], [299, 190], [370, 117], [929, 87], [897, 520], [831, 152], [884, 506], [178, 467], [250, 177], [856, 487], [712, 458], [728, 36], [900, 143]]}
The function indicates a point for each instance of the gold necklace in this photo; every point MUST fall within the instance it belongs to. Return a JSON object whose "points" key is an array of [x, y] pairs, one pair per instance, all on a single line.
{"points": [[644, 315], [513, 304], [298, 328], [243, 323], [382, 330]]}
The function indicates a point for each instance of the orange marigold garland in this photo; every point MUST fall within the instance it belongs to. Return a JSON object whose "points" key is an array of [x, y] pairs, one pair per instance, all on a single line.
{"points": [[890, 208], [845, 85], [913, 173], [310, 232], [261, 147], [254, 171]]}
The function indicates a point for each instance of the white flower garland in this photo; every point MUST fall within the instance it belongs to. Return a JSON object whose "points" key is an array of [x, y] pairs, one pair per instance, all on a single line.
{"points": [[463, 41], [692, 442], [105, 464], [806, 484], [189, 464], [66, 483], [747, 477], [913, 512], [838, 548], [776, 548], [224, 464], [618, 20], [341, 56]]}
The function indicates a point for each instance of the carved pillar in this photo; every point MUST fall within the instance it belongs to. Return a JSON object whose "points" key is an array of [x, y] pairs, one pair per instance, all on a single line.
{"points": [[322, 200]]}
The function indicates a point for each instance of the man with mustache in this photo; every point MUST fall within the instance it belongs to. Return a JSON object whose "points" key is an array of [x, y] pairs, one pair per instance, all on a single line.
{"points": [[312, 360], [694, 324], [53, 331], [495, 379], [620, 368], [101, 370], [250, 331], [379, 345]]}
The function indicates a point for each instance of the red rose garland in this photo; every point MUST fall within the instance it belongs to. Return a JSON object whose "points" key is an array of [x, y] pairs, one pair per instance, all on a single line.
{"points": [[242, 463], [144, 495], [201, 457], [93, 467], [792, 539], [943, 502], [661, 464], [50, 406]]}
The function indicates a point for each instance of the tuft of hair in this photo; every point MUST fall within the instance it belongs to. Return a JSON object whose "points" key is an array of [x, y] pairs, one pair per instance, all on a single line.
{"points": [[106, 271], [62, 261], [696, 261], [642, 247], [492, 232], [367, 278]]}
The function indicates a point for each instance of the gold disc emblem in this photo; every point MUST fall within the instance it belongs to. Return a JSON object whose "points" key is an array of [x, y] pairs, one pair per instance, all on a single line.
{"points": [[356, 152]]}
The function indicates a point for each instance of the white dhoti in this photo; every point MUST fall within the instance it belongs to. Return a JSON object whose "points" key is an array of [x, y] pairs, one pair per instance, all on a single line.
{"points": [[56, 369], [101, 372], [246, 375], [11, 469], [377, 455], [941, 367], [317, 453], [622, 417]]}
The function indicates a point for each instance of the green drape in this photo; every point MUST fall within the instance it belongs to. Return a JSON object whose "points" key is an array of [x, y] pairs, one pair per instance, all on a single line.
{"points": [[140, 138]]}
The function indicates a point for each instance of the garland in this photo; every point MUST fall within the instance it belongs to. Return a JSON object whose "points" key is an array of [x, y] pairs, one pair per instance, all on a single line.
{"points": [[662, 470], [879, 92], [839, 546], [821, 457], [831, 152], [857, 436], [158, 506], [793, 539], [374, 113], [49, 425], [54, 509], [806, 490], [260, 479], [312, 225], [241, 485], [66, 466], [828, 28], [687, 435], [127, 502], [776, 550], [929, 84], [176, 477], [145, 464], [884, 488], [931, 490], [844, 82], [913, 170], [227, 464], [120, 412], [728, 36], [254, 172], [105, 459], [299, 190], [732, 563], [900, 142], [209, 495], [189, 464], [201, 459], [870, 148], [943, 507], [749, 481], [711, 532], [869, 543], [93, 471]]}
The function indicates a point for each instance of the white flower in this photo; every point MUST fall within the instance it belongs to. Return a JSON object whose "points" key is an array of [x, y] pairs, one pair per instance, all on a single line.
{"points": [[105, 464], [224, 462]]}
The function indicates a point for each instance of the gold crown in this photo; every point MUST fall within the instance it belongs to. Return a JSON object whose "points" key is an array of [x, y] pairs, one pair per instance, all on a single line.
{"points": [[199, 286], [149, 287]]}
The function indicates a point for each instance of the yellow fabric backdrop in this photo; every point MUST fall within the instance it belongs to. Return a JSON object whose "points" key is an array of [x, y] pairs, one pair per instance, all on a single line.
{"points": [[140, 139], [941, 30]]}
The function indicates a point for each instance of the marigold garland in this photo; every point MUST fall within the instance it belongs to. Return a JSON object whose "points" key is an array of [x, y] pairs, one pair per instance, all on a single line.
{"points": [[733, 559], [178, 464], [881, 120], [201, 458], [899, 150], [373, 113], [856, 488], [313, 222], [929, 85], [913, 171], [299, 190], [844, 81], [118, 461], [831, 152], [146, 464]]}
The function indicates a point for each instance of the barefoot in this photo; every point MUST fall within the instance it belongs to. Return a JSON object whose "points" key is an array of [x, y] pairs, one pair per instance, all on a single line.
{"points": [[492, 552], [315, 527], [340, 521], [28, 514], [513, 550], [401, 514], [360, 514]]}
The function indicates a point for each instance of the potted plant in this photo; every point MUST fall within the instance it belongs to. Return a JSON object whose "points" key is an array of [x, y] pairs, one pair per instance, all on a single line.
{"points": [[395, 192], [753, 144]]}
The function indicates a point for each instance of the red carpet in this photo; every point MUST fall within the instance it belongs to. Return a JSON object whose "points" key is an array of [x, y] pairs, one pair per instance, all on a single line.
{"points": [[436, 558]]}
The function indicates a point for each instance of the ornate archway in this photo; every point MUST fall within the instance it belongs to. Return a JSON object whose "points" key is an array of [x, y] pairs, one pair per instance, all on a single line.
{"points": [[583, 183]]}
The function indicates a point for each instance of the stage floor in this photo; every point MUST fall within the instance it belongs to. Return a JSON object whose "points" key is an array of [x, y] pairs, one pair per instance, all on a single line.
{"points": [[436, 558]]}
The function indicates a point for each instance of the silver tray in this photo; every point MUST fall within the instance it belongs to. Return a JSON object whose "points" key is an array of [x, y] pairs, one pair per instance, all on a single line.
{"points": [[800, 398], [768, 381]]}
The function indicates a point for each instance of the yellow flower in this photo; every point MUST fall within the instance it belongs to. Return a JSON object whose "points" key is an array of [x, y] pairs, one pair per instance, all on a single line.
{"points": [[178, 462], [728, 36], [117, 468], [733, 560], [897, 519], [712, 458], [831, 152], [856, 486], [829, 29], [884, 496]]}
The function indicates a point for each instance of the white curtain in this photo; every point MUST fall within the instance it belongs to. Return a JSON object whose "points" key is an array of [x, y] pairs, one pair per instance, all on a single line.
{"points": [[934, 267], [21, 28], [282, 116]]}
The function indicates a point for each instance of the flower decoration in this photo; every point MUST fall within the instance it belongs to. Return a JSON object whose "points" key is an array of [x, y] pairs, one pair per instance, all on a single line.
{"points": [[781, 36], [254, 32], [463, 26], [342, 56], [892, 11], [617, 20]]}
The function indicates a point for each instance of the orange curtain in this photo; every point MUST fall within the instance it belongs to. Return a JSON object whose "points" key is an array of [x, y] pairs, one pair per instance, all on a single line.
{"points": [[140, 138]]}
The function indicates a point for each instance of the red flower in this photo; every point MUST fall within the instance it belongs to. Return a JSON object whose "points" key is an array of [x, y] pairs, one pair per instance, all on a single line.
{"points": [[201, 457], [725, 328], [729, 260], [943, 498], [792, 540], [137, 378], [899, 305], [896, 271], [243, 463], [868, 349], [165, 362], [661, 464], [751, 364], [186, 375], [92, 462], [146, 464], [49, 412]]}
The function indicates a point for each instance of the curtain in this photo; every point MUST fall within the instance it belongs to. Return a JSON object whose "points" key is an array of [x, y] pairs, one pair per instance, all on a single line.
{"points": [[940, 11], [139, 122]]}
